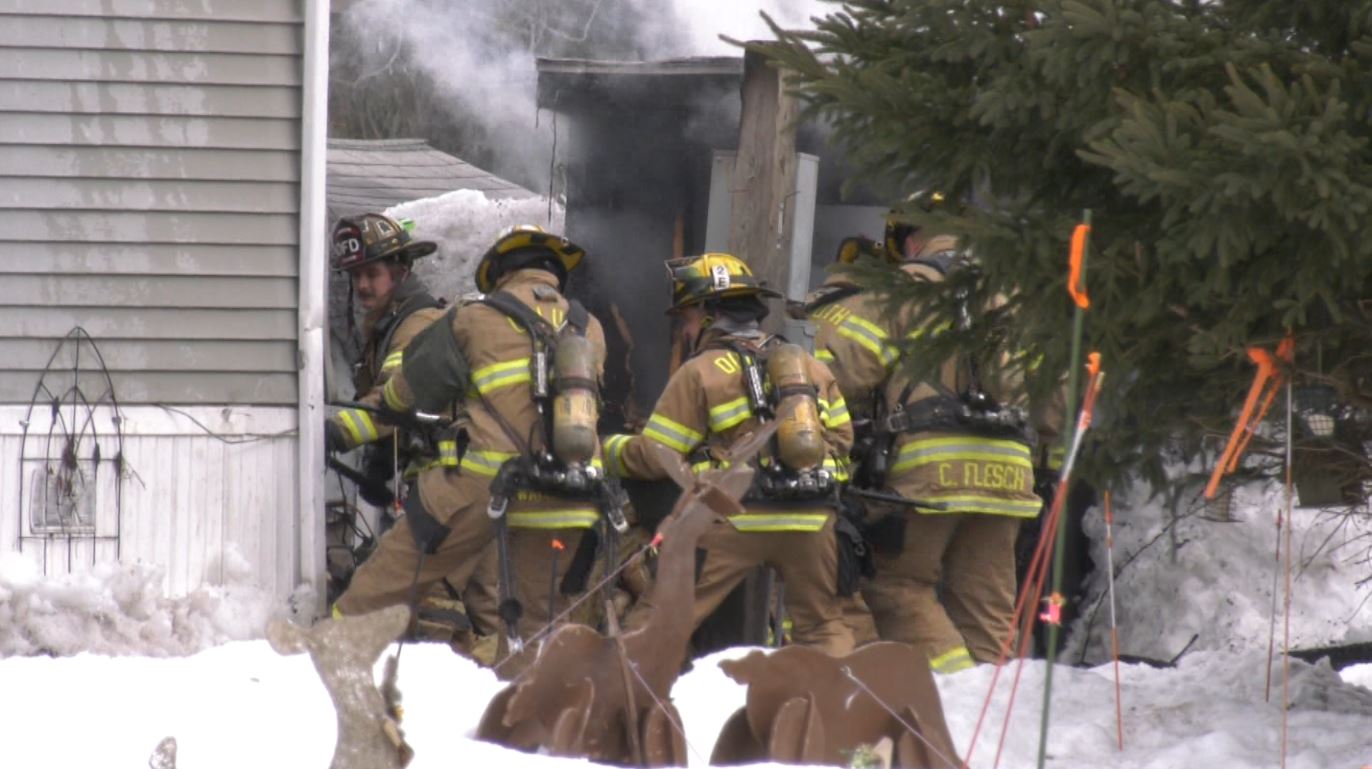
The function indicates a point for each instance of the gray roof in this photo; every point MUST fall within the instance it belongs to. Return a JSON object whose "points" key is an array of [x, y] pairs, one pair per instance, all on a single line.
{"points": [[373, 175]]}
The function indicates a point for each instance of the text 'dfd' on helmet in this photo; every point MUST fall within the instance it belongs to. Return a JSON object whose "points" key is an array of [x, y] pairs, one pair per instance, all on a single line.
{"points": [[367, 238]]}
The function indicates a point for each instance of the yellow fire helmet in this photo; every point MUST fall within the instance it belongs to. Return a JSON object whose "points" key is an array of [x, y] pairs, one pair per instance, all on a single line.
{"points": [[696, 279], [897, 231], [520, 246], [854, 248]]}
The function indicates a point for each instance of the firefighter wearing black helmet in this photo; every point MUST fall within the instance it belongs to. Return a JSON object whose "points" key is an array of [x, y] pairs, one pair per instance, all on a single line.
{"points": [[379, 253], [485, 360], [945, 578]]}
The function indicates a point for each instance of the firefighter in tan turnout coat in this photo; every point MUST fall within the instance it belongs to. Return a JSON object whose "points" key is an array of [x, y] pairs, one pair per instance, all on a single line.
{"points": [[971, 460], [378, 254], [708, 404], [480, 359]]}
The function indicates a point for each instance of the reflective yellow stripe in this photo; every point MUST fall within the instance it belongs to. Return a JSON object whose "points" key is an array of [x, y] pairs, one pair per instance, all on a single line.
{"points": [[870, 336], [393, 360], [614, 453], [824, 355], [952, 661], [838, 467], [1056, 456], [753, 522], [336, 613], [359, 426], [497, 375], [671, 434], [447, 457], [485, 463], [962, 448], [393, 400], [554, 519], [939, 328], [958, 502], [727, 415], [834, 414]]}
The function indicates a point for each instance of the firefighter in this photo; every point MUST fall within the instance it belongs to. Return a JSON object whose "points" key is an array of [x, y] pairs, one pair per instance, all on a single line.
{"points": [[378, 253], [961, 444], [733, 378], [484, 358]]}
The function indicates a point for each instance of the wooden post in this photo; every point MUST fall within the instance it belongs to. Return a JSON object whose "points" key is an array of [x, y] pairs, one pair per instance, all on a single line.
{"points": [[764, 178]]}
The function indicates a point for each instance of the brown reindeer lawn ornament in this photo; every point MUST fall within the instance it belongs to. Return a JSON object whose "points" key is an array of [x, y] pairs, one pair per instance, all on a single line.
{"points": [[344, 652], [607, 698], [806, 707]]}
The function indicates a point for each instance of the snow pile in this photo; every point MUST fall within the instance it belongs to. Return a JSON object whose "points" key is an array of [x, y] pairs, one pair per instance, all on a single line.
{"points": [[1218, 585], [464, 224], [241, 704], [120, 609]]}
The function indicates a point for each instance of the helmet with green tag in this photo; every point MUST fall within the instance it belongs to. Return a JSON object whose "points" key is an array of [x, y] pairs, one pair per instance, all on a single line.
{"points": [[367, 238]]}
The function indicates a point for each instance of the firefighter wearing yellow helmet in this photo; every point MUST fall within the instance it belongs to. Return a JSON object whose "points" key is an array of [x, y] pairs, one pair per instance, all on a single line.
{"points": [[736, 376], [960, 443], [492, 357]]}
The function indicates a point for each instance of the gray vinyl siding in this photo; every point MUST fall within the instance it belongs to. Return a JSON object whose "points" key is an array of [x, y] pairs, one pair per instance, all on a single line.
{"points": [[150, 193]]}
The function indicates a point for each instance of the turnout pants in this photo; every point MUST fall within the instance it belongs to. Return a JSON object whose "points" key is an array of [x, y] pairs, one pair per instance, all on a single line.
{"points": [[807, 563], [395, 573], [973, 555], [538, 560]]}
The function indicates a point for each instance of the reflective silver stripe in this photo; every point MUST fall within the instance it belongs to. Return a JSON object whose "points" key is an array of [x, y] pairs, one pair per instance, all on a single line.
{"points": [[980, 503], [779, 521], [554, 519], [727, 415], [672, 434], [614, 453], [497, 375], [485, 463], [920, 452]]}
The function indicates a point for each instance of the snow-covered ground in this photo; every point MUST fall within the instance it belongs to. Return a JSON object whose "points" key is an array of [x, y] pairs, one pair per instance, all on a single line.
{"points": [[233, 702]]}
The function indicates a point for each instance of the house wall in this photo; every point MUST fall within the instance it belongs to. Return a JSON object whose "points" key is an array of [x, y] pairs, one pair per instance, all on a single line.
{"points": [[150, 193], [161, 187]]}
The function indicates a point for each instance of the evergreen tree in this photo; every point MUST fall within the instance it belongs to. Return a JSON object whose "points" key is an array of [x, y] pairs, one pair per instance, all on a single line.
{"points": [[1222, 145]]}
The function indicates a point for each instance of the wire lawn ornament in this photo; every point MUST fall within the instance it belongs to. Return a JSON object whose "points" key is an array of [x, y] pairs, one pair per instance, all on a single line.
{"points": [[60, 470]]}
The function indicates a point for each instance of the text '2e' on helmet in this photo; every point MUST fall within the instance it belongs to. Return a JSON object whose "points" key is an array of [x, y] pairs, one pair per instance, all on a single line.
{"points": [[367, 238], [520, 246], [897, 231], [697, 279]]}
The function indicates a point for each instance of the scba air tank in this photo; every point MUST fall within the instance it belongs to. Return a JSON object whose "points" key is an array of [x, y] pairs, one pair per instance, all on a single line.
{"points": [[800, 436], [575, 406]]}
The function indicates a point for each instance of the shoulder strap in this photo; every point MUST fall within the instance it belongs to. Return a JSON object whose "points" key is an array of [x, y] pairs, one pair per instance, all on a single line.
{"points": [[827, 295], [577, 316], [417, 302], [942, 261]]}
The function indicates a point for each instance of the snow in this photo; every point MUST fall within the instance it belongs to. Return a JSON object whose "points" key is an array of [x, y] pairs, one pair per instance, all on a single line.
{"points": [[99, 668], [464, 224]]}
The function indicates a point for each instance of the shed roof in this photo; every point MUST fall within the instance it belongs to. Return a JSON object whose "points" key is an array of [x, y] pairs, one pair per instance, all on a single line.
{"points": [[373, 175]]}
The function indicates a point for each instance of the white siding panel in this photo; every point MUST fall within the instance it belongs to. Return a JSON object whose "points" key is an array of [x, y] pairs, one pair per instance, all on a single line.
{"points": [[139, 291], [157, 355], [188, 496], [216, 10], [149, 99], [100, 162], [136, 66], [149, 323], [198, 259], [134, 131], [20, 193], [148, 227], [103, 33], [163, 386]]}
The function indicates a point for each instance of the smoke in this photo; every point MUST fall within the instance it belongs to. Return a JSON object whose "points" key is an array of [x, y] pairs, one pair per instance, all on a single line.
{"points": [[702, 22], [479, 56]]}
